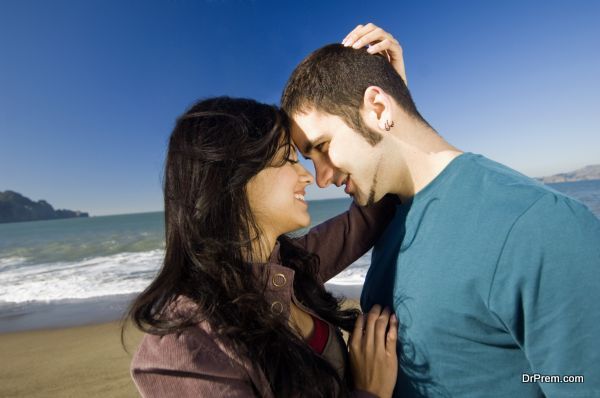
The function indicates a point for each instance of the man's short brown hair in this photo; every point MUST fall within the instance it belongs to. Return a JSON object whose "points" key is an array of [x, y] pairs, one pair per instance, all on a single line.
{"points": [[334, 78]]}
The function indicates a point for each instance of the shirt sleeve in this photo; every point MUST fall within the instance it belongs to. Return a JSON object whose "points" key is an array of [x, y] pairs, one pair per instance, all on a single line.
{"points": [[183, 366], [545, 292], [343, 239]]}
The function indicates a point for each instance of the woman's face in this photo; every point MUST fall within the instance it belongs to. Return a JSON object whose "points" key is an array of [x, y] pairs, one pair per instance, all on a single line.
{"points": [[276, 196]]}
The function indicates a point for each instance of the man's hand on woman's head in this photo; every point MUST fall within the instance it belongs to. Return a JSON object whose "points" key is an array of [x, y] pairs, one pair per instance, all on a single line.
{"points": [[379, 41]]}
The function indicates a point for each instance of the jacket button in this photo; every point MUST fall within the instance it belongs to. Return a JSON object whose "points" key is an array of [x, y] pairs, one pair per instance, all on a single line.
{"points": [[277, 307], [279, 280]]}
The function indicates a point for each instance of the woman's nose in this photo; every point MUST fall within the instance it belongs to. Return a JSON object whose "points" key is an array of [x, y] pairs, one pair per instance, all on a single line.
{"points": [[305, 175]]}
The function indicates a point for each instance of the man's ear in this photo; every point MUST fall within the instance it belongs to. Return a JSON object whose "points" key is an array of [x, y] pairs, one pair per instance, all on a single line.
{"points": [[377, 108]]}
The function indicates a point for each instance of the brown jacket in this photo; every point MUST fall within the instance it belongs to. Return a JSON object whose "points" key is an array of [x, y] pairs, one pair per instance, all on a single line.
{"points": [[196, 363]]}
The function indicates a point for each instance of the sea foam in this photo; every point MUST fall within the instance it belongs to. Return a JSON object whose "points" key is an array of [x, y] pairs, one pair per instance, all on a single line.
{"points": [[117, 274]]}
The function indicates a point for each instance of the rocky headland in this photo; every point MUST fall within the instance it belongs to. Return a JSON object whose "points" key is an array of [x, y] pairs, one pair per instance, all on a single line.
{"points": [[591, 172], [15, 207]]}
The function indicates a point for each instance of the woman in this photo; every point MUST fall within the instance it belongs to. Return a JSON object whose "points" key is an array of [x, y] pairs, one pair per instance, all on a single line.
{"points": [[239, 309]]}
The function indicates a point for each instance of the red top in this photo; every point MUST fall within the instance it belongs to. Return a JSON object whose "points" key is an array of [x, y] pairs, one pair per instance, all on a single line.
{"points": [[320, 335]]}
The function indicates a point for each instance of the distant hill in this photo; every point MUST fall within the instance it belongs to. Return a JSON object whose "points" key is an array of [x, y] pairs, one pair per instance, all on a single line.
{"points": [[15, 207], [586, 173]]}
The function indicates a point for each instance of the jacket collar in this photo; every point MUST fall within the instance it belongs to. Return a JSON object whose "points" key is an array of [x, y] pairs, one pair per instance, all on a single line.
{"points": [[279, 282]]}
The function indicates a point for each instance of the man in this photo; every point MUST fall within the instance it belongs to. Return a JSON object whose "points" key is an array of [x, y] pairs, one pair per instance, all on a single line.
{"points": [[492, 275]]}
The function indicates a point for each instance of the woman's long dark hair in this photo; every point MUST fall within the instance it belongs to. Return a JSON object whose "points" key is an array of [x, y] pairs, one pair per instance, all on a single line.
{"points": [[216, 147]]}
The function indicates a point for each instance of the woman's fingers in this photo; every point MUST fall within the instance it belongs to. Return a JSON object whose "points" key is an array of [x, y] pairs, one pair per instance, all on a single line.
{"points": [[373, 357], [379, 41], [392, 335], [381, 325], [357, 34], [372, 317], [349, 35], [377, 330], [385, 45], [371, 37], [357, 334]]}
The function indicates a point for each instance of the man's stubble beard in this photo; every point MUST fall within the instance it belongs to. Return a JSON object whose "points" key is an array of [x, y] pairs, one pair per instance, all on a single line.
{"points": [[371, 198]]}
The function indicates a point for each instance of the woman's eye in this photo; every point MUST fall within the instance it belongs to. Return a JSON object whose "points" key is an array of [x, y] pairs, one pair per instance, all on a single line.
{"points": [[292, 161]]}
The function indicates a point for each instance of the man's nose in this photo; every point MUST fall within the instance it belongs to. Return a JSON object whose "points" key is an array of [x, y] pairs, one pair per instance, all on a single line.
{"points": [[324, 174]]}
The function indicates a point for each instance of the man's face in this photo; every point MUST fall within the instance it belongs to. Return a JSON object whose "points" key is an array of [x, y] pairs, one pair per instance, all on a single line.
{"points": [[340, 154]]}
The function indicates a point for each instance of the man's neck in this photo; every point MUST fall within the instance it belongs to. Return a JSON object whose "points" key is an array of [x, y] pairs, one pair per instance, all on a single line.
{"points": [[420, 155]]}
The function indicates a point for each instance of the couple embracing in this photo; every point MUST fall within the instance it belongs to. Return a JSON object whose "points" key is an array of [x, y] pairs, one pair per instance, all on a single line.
{"points": [[479, 275]]}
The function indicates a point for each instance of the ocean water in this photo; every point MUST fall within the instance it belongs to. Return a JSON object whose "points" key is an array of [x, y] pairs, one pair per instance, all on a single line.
{"points": [[587, 192], [71, 260]]}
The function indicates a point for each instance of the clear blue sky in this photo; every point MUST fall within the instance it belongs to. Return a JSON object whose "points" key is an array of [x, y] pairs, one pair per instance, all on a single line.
{"points": [[89, 90]]}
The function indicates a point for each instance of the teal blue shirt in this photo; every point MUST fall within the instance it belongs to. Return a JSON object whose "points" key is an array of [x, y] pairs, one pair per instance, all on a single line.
{"points": [[494, 278]]}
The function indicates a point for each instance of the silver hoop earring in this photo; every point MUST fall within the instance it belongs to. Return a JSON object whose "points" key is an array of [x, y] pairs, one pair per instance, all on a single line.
{"points": [[388, 126]]}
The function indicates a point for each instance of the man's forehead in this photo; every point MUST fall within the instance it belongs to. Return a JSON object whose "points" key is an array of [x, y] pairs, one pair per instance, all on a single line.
{"points": [[308, 128], [310, 116], [304, 143]]}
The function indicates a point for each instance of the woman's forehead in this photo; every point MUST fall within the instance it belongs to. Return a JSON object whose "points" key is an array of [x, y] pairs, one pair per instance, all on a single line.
{"points": [[284, 146]]}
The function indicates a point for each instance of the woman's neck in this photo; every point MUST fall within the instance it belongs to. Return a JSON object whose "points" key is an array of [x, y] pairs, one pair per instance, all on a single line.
{"points": [[262, 247]]}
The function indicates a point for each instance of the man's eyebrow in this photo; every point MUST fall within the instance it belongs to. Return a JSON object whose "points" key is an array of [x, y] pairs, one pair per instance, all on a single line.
{"points": [[308, 146]]}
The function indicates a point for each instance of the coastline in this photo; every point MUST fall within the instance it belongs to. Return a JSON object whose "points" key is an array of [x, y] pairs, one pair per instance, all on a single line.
{"points": [[71, 362], [73, 313], [63, 313]]}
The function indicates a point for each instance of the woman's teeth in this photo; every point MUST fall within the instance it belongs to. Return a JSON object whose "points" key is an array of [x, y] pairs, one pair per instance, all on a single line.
{"points": [[299, 196]]}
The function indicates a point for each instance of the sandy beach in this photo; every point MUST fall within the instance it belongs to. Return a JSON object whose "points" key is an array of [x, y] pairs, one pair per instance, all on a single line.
{"points": [[85, 361]]}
